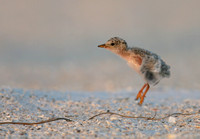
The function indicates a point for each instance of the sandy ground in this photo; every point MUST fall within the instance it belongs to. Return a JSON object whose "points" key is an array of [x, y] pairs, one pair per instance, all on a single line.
{"points": [[18, 105]]}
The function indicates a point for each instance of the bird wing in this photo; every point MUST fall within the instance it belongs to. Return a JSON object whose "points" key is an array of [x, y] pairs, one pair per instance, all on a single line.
{"points": [[152, 63], [146, 59]]}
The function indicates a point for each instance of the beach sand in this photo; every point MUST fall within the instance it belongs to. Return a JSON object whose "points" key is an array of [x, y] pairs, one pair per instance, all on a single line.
{"points": [[18, 105]]}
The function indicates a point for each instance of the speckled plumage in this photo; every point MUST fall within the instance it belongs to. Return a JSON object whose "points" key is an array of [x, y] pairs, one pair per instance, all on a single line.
{"points": [[148, 64], [153, 67]]}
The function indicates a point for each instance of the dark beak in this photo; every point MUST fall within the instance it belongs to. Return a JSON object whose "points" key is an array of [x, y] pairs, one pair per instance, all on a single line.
{"points": [[102, 46]]}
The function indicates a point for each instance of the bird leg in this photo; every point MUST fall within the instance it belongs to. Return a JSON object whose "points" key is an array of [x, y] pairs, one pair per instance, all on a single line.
{"points": [[139, 95], [142, 98]]}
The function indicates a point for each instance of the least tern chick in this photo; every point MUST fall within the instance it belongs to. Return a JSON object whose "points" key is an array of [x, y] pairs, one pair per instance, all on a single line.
{"points": [[149, 65]]}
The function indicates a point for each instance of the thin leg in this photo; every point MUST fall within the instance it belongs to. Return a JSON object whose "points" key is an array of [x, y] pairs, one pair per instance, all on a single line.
{"points": [[142, 98], [139, 95]]}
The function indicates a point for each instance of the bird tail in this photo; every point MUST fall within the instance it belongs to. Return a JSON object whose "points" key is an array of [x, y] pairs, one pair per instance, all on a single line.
{"points": [[165, 70]]}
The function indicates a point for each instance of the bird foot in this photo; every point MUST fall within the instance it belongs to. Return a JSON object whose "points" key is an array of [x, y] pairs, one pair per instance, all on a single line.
{"points": [[139, 104], [139, 95], [142, 94]]}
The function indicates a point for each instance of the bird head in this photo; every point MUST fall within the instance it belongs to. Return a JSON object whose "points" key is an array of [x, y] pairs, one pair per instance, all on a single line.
{"points": [[114, 44]]}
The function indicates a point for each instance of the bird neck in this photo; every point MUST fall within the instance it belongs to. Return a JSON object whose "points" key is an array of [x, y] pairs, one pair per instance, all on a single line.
{"points": [[122, 52]]}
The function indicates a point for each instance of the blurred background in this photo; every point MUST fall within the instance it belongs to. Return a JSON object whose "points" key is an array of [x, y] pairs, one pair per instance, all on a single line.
{"points": [[52, 45]]}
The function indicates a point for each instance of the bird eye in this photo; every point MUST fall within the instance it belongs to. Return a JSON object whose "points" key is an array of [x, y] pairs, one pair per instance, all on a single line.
{"points": [[112, 44]]}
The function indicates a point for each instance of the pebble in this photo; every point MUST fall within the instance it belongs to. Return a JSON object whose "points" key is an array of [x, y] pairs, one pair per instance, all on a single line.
{"points": [[172, 120]]}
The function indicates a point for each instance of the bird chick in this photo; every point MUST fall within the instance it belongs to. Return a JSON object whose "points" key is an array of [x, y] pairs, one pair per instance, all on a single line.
{"points": [[149, 65]]}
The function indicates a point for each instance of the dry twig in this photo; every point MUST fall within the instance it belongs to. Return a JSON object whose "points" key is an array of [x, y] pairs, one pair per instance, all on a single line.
{"points": [[103, 113], [142, 117], [36, 123]]}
